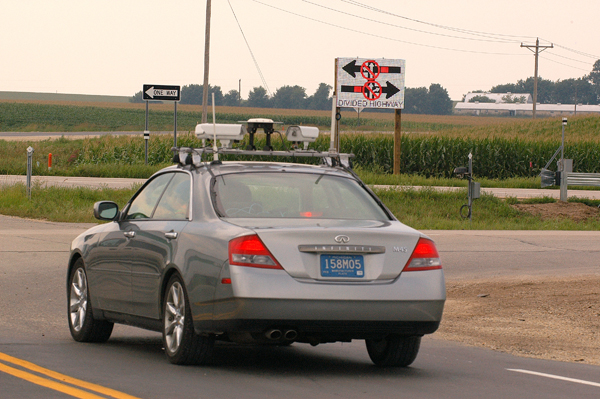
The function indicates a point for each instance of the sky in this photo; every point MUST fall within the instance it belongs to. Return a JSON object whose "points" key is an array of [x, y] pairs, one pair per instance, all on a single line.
{"points": [[114, 47]]}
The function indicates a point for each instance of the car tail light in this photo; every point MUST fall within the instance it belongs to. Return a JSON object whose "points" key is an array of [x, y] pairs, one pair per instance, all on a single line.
{"points": [[424, 257], [250, 251]]}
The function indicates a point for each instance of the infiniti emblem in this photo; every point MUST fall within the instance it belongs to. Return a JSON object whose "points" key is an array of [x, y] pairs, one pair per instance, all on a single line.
{"points": [[341, 239]]}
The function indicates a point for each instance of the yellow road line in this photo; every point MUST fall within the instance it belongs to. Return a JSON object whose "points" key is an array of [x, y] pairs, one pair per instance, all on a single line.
{"points": [[58, 386]]}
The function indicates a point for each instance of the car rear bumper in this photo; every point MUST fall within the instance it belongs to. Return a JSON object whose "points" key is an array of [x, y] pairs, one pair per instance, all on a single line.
{"points": [[260, 299]]}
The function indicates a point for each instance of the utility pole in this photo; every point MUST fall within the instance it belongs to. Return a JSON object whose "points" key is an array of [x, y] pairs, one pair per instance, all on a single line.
{"points": [[536, 52], [206, 57]]}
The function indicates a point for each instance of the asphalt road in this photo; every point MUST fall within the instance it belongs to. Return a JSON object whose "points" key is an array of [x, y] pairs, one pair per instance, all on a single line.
{"points": [[38, 358]]}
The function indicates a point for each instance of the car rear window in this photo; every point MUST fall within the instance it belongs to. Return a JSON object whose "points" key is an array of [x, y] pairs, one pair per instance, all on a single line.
{"points": [[293, 195]]}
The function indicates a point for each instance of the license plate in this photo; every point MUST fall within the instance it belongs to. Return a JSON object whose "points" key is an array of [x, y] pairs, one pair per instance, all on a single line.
{"points": [[342, 266]]}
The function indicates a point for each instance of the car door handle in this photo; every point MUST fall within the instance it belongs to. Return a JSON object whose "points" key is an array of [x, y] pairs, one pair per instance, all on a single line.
{"points": [[171, 235], [129, 234]]}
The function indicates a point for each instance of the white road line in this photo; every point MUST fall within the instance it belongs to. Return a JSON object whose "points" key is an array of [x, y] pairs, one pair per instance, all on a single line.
{"points": [[556, 377]]}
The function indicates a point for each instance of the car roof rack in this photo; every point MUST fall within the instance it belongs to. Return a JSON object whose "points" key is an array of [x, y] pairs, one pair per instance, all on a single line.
{"points": [[193, 156]]}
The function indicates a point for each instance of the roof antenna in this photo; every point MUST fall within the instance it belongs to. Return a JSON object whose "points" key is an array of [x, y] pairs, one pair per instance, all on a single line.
{"points": [[215, 151]]}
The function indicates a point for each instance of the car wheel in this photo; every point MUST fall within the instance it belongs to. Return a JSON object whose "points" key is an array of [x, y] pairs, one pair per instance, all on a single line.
{"points": [[83, 326], [182, 345], [394, 350]]}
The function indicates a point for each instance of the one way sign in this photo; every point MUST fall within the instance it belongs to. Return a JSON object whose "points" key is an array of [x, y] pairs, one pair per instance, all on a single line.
{"points": [[161, 92]]}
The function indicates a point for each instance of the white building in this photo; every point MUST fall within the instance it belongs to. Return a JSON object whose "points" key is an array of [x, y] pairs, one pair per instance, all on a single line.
{"points": [[514, 109]]}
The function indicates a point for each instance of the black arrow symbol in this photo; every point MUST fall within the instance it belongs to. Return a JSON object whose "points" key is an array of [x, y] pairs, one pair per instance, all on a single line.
{"points": [[389, 89], [353, 69]]}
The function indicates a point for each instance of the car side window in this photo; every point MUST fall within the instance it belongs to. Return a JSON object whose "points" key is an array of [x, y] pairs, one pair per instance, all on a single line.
{"points": [[143, 205], [175, 202]]}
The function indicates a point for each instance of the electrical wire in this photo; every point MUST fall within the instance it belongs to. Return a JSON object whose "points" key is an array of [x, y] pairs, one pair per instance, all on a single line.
{"points": [[251, 53], [561, 63], [380, 36], [471, 32], [411, 29], [577, 52]]}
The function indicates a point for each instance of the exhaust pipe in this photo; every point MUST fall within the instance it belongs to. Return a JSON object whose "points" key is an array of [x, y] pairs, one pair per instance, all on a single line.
{"points": [[273, 334], [290, 335]]}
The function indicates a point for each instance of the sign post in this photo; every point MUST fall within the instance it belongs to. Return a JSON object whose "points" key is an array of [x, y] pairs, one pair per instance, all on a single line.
{"points": [[160, 93], [373, 83]]}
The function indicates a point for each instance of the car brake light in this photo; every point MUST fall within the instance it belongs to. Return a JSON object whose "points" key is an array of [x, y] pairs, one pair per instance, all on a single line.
{"points": [[311, 214], [250, 251], [424, 257]]}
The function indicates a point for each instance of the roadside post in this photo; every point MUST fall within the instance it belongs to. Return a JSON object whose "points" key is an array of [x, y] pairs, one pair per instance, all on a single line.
{"points": [[561, 168], [473, 191], [373, 83], [160, 93], [30, 151]]}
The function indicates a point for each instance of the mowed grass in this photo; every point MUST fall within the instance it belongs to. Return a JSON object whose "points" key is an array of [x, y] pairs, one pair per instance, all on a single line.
{"points": [[423, 209], [57, 204]]}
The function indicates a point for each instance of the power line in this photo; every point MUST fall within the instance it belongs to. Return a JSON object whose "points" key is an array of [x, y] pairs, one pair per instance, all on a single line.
{"points": [[411, 29], [380, 36], [471, 32], [561, 63], [466, 31], [251, 53]]}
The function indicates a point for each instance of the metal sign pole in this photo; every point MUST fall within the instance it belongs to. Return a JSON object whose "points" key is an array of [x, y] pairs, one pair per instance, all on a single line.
{"points": [[146, 134], [397, 140], [175, 131]]}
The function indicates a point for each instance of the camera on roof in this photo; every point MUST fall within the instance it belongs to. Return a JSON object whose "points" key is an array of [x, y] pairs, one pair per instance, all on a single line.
{"points": [[304, 134], [226, 133]]}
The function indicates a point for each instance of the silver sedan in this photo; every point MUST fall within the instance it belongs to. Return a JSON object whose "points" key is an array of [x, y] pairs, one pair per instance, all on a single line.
{"points": [[256, 252]]}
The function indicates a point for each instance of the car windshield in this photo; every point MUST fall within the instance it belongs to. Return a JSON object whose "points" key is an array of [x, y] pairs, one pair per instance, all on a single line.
{"points": [[293, 195]]}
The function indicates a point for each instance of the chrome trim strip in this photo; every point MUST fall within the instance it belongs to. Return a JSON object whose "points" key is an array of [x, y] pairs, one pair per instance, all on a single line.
{"points": [[343, 249]]}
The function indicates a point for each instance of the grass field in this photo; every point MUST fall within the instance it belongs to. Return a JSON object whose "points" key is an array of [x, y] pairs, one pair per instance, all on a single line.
{"points": [[432, 146], [429, 208], [31, 115]]}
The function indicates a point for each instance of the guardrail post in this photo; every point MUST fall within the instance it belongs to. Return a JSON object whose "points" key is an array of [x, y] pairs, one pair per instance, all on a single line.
{"points": [[563, 185]]}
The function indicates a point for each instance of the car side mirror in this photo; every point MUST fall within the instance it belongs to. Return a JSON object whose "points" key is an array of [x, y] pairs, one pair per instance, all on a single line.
{"points": [[106, 210]]}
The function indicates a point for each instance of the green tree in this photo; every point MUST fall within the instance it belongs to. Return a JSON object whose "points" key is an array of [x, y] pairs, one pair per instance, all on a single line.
{"points": [[232, 98], [439, 100], [321, 98], [481, 99], [291, 97], [594, 76], [510, 99], [433, 101], [137, 98], [415, 100], [192, 94], [258, 98], [575, 91]]}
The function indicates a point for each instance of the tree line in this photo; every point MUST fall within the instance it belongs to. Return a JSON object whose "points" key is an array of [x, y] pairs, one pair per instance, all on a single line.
{"points": [[583, 90], [422, 100], [433, 100]]}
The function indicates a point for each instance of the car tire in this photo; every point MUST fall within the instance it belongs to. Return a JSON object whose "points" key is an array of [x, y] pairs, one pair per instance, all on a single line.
{"points": [[394, 350], [182, 345], [83, 326]]}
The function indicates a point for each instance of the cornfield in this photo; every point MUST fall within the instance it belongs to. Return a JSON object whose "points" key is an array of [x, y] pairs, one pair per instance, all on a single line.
{"points": [[430, 156]]}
